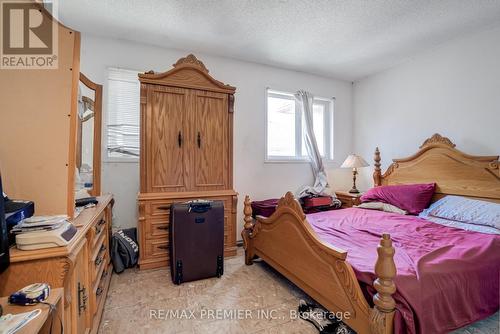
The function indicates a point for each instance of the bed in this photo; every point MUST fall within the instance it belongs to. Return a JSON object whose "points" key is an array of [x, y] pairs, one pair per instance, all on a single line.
{"points": [[328, 268]]}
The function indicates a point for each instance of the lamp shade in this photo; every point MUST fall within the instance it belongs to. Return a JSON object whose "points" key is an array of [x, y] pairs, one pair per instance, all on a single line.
{"points": [[354, 161]]}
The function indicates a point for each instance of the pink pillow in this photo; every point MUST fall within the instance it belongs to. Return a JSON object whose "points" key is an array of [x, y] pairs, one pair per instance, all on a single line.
{"points": [[410, 197]]}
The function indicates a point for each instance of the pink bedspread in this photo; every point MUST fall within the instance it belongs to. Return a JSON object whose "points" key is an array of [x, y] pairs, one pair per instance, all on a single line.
{"points": [[446, 277]]}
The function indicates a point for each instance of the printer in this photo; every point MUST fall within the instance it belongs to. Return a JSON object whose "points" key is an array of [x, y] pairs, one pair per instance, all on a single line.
{"points": [[15, 212], [46, 238]]}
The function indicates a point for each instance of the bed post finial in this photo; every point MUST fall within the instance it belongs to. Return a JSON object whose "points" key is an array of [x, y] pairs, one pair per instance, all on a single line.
{"points": [[246, 234], [247, 211], [382, 315], [377, 174]]}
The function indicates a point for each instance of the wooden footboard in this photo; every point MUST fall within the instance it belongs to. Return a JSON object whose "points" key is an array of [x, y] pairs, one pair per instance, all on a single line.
{"points": [[287, 242]]}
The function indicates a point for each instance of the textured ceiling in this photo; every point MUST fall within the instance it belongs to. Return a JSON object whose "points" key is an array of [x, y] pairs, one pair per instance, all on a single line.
{"points": [[346, 39]]}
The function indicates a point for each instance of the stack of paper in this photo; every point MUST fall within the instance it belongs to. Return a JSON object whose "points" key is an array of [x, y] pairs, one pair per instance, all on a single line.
{"points": [[40, 223], [11, 323]]}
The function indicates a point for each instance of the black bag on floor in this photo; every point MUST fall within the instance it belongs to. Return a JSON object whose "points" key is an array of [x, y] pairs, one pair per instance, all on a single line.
{"points": [[196, 240], [324, 321], [124, 249]]}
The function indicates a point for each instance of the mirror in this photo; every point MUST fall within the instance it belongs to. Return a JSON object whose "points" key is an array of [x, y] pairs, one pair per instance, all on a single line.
{"points": [[88, 152]]}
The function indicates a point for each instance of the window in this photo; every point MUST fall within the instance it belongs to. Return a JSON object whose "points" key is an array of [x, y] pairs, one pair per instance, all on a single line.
{"points": [[284, 127], [123, 114]]}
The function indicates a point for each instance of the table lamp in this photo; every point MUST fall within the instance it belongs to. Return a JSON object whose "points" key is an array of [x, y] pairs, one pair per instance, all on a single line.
{"points": [[354, 161]]}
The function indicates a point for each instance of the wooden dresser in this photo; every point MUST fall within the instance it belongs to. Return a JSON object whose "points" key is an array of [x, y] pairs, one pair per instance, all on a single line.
{"points": [[47, 321], [186, 152], [82, 268]]}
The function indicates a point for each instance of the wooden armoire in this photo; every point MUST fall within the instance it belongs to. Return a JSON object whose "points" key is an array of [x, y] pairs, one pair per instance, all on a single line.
{"points": [[186, 152]]}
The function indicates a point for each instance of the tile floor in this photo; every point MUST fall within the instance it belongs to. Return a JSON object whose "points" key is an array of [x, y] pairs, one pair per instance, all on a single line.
{"points": [[146, 302]]}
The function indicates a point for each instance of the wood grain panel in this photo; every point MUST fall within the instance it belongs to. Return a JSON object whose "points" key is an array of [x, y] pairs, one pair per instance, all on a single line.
{"points": [[167, 109], [211, 147], [41, 105], [454, 172]]}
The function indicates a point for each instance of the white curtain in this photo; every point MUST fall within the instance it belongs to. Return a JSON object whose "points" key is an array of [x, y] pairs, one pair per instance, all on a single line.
{"points": [[305, 101]]}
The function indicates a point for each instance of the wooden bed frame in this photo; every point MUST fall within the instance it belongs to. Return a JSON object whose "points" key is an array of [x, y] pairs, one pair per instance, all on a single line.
{"points": [[287, 242]]}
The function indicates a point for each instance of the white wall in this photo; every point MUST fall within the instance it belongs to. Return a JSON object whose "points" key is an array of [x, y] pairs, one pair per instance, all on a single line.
{"points": [[453, 89], [251, 175]]}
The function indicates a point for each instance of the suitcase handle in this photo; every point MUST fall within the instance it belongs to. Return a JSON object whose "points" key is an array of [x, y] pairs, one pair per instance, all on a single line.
{"points": [[164, 207]]}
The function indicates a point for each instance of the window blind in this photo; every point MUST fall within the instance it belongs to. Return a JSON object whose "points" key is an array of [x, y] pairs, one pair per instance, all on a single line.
{"points": [[123, 113]]}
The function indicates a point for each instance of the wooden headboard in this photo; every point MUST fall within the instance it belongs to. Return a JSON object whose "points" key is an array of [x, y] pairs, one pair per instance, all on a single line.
{"points": [[454, 172]]}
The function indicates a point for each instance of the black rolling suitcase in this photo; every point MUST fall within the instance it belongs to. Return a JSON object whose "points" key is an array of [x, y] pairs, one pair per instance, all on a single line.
{"points": [[196, 240]]}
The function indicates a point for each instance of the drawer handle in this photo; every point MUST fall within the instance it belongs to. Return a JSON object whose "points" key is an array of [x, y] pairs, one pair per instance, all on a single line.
{"points": [[98, 261], [164, 207], [104, 275], [163, 247], [97, 229], [162, 227], [101, 222], [82, 298], [99, 291]]}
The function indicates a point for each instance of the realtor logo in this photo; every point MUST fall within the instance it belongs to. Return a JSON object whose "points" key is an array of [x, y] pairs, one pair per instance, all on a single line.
{"points": [[29, 35]]}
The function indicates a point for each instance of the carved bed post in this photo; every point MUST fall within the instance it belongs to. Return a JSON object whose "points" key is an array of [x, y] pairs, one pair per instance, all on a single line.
{"points": [[247, 231], [382, 315], [377, 174]]}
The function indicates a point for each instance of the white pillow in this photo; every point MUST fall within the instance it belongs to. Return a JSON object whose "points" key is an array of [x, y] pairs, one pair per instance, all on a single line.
{"points": [[467, 210], [382, 207]]}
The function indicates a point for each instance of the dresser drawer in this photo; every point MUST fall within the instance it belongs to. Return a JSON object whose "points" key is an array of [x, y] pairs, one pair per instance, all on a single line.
{"points": [[100, 289], [99, 258], [98, 230]]}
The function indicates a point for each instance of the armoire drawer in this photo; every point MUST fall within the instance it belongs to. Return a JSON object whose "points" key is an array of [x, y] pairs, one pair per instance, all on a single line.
{"points": [[161, 208], [226, 237], [156, 228], [156, 248]]}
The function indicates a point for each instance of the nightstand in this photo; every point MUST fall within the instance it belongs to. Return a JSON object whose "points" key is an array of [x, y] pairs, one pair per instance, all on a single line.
{"points": [[348, 199]]}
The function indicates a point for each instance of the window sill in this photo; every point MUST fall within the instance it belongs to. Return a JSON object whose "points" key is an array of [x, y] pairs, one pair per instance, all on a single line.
{"points": [[285, 161], [293, 161], [119, 160]]}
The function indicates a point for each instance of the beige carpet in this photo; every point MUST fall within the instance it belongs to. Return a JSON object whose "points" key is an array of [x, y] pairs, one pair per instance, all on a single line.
{"points": [[148, 302]]}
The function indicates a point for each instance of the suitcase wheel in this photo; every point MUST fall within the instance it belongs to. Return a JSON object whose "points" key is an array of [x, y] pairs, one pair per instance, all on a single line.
{"points": [[178, 275], [220, 266]]}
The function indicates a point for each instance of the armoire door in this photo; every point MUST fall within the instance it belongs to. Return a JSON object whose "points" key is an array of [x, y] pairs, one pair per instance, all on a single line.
{"points": [[166, 135], [210, 132]]}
